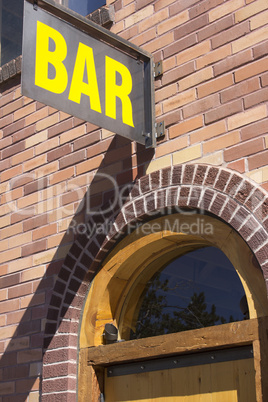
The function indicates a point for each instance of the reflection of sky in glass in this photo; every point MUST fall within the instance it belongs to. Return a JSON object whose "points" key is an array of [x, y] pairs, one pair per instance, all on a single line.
{"points": [[205, 270], [11, 29], [85, 7]]}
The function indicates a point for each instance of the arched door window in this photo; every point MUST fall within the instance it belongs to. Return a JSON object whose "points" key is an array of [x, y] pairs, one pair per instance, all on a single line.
{"points": [[196, 290]]}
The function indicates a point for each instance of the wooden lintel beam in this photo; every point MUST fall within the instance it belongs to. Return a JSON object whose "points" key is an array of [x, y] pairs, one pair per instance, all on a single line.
{"points": [[223, 336]]}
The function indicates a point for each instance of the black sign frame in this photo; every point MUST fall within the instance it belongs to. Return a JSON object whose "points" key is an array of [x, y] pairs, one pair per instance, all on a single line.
{"points": [[131, 54]]}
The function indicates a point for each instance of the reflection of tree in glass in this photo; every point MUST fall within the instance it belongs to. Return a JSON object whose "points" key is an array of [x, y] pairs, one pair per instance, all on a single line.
{"points": [[153, 320]]}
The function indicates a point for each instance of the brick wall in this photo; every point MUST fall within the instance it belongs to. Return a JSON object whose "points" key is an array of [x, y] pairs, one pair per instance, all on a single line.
{"points": [[213, 98]]}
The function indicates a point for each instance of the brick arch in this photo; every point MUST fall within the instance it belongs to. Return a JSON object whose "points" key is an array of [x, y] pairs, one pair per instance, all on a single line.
{"points": [[219, 191]]}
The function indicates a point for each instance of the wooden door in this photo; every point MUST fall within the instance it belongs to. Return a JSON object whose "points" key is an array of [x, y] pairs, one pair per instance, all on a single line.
{"points": [[226, 376]]}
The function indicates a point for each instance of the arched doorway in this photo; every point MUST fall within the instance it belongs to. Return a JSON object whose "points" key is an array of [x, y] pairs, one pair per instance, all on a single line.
{"points": [[116, 296]]}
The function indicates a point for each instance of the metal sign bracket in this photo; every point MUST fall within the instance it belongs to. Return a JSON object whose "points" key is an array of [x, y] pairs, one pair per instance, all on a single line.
{"points": [[158, 69], [159, 129]]}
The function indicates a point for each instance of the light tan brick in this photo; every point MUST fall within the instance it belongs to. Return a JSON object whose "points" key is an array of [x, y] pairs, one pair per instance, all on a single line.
{"points": [[193, 52], [259, 175], [249, 40], [139, 16], [25, 262], [208, 132], [224, 9], [215, 159], [251, 9], [169, 63], [72, 134], [36, 139], [153, 20], [259, 20], [4, 221], [221, 142], [34, 163], [19, 114], [89, 165], [45, 231], [28, 200], [47, 145], [168, 147], [179, 100], [4, 244], [215, 85], [162, 3], [33, 273], [10, 254], [10, 173], [214, 56], [188, 154], [22, 156], [244, 118], [124, 12], [118, 27], [196, 78], [47, 122], [44, 257], [166, 92], [158, 164], [186, 126], [62, 175], [251, 69], [20, 239], [7, 332], [172, 22], [12, 230], [159, 43], [47, 169], [34, 117], [33, 301]]}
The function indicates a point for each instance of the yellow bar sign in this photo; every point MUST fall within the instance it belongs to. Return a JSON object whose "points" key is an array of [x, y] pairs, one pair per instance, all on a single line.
{"points": [[80, 74]]}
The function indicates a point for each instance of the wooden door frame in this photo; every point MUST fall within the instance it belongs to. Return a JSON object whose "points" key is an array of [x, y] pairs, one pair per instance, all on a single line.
{"points": [[93, 360], [116, 279]]}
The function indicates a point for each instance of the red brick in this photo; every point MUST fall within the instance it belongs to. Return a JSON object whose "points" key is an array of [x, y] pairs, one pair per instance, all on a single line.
{"points": [[203, 6], [260, 50], [60, 128], [24, 133], [13, 149], [142, 3], [254, 130], [239, 166], [35, 222], [179, 6], [5, 121], [232, 62], [180, 45], [178, 73], [238, 90], [252, 69], [244, 149], [191, 26], [231, 34], [20, 290], [256, 98], [87, 140], [14, 127], [72, 159], [258, 160], [34, 247], [264, 79], [59, 152], [223, 111]]}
